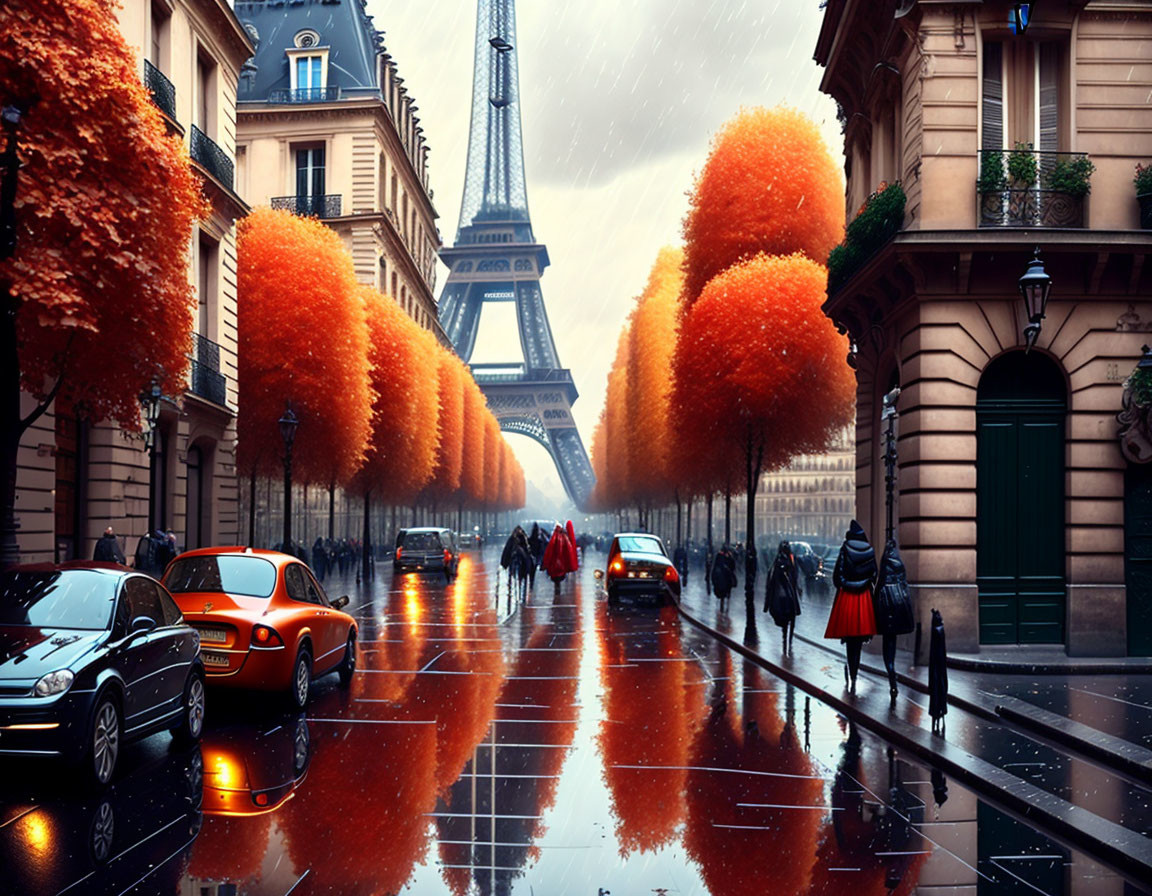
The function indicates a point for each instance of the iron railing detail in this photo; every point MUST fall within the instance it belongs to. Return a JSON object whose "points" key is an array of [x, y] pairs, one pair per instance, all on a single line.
{"points": [[284, 95], [206, 380], [163, 91], [1046, 189], [211, 157], [326, 206]]}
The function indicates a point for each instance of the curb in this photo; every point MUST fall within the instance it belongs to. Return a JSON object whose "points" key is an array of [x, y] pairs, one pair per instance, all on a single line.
{"points": [[1126, 851]]}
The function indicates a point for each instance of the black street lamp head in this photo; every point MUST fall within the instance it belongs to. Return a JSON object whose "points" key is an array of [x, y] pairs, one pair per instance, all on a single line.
{"points": [[1022, 14], [150, 401], [288, 424], [1035, 286], [1146, 359]]}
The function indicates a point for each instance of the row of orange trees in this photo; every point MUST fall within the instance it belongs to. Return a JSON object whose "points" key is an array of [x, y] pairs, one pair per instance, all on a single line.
{"points": [[385, 411], [726, 367]]}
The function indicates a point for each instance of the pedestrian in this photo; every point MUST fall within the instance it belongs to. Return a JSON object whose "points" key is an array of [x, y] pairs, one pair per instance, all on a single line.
{"points": [[319, 561], [108, 549], [680, 561], [782, 593], [559, 557], [853, 619], [537, 542], [893, 608], [937, 674], [724, 572], [574, 552]]}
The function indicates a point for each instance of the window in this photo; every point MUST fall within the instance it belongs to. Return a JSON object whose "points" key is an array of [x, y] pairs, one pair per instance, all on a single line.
{"points": [[206, 95], [309, 72], [143, 600], [310, 171], [244, 575], [1024, 95], [158, 37], [296, 581], [206, 278]]}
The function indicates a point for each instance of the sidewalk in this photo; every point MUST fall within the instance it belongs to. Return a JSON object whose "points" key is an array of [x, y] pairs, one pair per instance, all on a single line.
{"points": [[1008, 766]]}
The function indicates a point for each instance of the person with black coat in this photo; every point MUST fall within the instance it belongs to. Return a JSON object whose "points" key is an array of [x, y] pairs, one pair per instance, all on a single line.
{"points": [[937, 673], [108, 549], [893, 607], [782, 593], [724, 572], [853, 619]]}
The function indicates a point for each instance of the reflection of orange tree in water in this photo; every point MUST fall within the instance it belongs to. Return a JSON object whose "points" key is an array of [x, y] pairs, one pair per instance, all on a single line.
{"points": [[758, 847], [650, 716], [862, 850], [537, 707], [230, 848]]}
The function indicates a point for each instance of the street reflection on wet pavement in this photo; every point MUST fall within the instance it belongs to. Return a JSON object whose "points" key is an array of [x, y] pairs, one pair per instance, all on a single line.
{"points": [[555, 746]]}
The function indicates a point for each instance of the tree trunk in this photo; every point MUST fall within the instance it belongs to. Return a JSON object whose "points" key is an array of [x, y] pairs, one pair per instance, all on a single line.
{"points": [[10, 425], [331, 510], [708, 549], [754, 456], [728, 514], [252, 509], [678, 529], [366, 543]]}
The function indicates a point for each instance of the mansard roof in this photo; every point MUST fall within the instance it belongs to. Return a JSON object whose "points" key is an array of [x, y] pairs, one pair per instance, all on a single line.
{"points": [[343, 26]]}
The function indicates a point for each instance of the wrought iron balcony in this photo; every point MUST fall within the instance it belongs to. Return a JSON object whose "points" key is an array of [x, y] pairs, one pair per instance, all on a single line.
{"points": [[1025, 188], [163, 91], [304, 95], [327, 206], [211, 157], [207, 381]]}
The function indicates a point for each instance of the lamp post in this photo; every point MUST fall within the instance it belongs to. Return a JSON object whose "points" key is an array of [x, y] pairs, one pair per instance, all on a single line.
{"points": [[288, 424], [888, 416], [9, 365], [1035, 286], [150, 401], [1022, 14]]}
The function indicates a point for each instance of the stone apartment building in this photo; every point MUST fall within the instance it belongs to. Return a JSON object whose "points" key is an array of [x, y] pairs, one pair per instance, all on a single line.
{"points": [[75, 478], [327, 128], [1022, 516]]}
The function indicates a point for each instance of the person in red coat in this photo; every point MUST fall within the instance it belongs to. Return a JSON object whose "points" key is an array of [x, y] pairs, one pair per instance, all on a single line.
{"points": [[571, 530], [559, 556]]}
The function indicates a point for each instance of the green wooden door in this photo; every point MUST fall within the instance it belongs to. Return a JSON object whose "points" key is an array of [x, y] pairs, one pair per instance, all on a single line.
{"points": [[1138, 557], [1020, 503]]}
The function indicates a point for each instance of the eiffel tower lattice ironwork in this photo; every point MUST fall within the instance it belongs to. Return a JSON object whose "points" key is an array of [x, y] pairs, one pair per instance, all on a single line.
{"points": [[496, 259]]}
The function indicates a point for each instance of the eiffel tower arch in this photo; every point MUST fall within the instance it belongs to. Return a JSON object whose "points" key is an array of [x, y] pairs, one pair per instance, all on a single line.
{"points": [[496, 258]]}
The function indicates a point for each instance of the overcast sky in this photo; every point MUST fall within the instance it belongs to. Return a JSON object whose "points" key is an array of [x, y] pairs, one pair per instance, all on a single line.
{"points": [[620, 99]]}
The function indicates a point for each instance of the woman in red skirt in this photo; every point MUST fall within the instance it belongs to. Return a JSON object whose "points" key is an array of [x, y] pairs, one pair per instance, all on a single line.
{"points": [[852, 619]]}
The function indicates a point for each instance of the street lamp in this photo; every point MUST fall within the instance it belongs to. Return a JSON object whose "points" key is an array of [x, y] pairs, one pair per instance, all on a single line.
{"points": [[150, 401], [288, 424], [1034, 288], [888, 416], [1022, 14]]}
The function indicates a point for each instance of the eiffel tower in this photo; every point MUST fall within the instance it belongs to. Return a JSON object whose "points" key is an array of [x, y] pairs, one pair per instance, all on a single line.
{"points": [[496, 258]]}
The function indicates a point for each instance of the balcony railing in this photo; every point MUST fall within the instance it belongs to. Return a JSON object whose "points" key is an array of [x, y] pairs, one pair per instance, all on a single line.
{"points": [[304, 95], [207, 381], [211, 157], [163, 91], [327, 206], [1025, 188]]}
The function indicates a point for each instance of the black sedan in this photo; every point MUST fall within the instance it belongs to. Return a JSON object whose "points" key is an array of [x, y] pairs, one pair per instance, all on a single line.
{"points": [[93, 655], [638, 566]]}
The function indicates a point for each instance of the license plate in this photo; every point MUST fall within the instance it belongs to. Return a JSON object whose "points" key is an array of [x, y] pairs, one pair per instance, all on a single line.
{"points": [[214, 659], [213, 634]]}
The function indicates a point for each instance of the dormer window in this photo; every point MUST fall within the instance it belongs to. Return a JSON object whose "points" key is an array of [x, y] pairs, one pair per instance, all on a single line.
{"points": [[308, 63]]}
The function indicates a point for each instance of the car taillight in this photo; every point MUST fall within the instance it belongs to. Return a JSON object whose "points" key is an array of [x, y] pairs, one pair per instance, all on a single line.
{"points": [[447, 556], [616, 568], [670, 574], [399, 553], [265, 636]]}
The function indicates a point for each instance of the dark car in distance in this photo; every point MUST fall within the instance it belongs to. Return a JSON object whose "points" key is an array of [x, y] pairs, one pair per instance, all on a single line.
{"points": [[426, 549], [638, 566], [93, 655]]}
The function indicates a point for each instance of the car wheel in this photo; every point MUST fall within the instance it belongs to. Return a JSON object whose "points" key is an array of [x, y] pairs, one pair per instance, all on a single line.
{"points": [[301, 679], [192, 716], [348, 665], [102, 832], [104, 745]]}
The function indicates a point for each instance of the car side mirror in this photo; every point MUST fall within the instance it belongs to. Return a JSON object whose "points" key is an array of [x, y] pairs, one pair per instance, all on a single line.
{"points": [[598, 574], [143, 625], [340, 603]]}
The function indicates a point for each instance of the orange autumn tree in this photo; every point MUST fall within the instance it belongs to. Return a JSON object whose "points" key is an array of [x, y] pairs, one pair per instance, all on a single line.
{"points": [[448, 467], [759, 368], [295, 272], [769, 185], [96, 298], [652, 345], [610, 454], [472, 466]]}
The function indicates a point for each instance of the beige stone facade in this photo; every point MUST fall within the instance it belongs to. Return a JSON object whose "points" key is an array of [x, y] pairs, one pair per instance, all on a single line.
{"points": [[998, 449], [348, 149], [76, 478]]}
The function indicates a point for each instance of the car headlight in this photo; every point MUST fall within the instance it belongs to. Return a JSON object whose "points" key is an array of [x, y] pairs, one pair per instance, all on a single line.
{"points": [[54, 683]]}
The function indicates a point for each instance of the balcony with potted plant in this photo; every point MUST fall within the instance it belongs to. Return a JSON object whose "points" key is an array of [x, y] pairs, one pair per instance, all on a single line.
{"points": [[1024, 187]]}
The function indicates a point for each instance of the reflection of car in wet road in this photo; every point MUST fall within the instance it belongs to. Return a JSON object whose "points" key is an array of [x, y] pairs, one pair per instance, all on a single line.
{"points": [[638, 566], [248, 770], [91, 656], [264, 621], [132, 837]]}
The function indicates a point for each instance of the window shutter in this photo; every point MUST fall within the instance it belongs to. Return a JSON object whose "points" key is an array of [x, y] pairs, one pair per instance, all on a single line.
{"points": [[1049, 94], [992, 96]]}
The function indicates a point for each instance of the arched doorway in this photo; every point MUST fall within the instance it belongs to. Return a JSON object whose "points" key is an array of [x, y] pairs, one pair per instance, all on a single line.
{"points": [[1021, 406]]}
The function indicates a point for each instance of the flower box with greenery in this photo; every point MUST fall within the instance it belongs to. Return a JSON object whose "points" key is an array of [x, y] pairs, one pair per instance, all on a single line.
{"points": [[1143, 183], [876, 222], [1023, 166], [1071, 176]]}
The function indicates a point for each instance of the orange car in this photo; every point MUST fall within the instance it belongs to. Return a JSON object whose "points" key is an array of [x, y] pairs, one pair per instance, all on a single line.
{"points": [[264, 621]]}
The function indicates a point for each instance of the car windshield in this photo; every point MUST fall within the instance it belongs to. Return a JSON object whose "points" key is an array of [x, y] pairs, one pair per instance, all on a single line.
{"points": [[641, 544], [422, 541], [73, 598], [227, 573]]}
